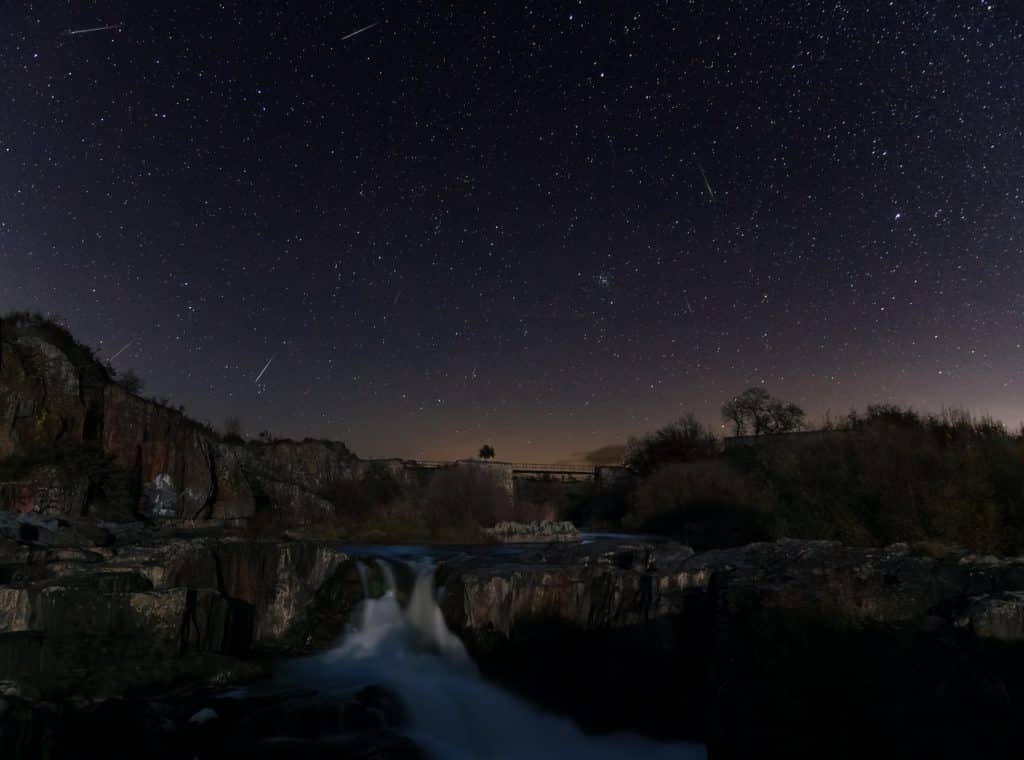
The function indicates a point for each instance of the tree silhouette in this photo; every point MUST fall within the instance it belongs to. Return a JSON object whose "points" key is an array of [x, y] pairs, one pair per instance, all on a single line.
{"points": [[757, 412], [486, 451]]}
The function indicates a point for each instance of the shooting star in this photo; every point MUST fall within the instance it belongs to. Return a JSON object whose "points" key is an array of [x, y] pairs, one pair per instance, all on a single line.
{"points": [[359, 31], [123, 349], [689, 306], [91, 29], [706, 183], [265, 366]]}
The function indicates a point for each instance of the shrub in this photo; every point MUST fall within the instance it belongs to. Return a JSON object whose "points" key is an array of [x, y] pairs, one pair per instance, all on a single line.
{"points": [[356, 497], [599, 506], [892, 474], [463, 499], [705, 504], [682, 441]]}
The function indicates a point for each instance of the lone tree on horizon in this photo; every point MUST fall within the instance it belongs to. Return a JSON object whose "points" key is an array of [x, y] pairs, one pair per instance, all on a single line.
{"points": [[486, 451], [758, 412]]}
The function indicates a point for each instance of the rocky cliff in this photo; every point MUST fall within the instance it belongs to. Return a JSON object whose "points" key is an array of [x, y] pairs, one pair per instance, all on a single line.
{"points": [[74, 443]]}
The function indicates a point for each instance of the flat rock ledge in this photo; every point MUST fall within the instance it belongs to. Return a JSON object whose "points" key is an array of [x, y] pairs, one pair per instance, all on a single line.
{"points": [[541, 532]]}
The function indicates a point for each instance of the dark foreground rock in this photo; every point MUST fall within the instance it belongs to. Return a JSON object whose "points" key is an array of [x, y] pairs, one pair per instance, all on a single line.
{"points": [[801, 648], [794, 648]]}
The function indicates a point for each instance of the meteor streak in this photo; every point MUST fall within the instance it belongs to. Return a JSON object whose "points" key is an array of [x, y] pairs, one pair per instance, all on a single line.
{"points": [[359, 31], [91, 29], [265, 366], [706, 183], [122, 349]]}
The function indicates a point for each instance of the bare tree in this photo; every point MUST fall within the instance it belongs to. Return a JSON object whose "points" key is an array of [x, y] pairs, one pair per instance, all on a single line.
{"points": [[757, 412]]}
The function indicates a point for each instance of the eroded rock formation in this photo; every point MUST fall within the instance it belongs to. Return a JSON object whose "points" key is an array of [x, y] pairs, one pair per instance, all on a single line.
{"points": [[88, 443]]}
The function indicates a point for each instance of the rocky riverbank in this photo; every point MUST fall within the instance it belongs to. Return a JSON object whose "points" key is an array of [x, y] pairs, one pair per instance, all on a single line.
{"points": [[652, 638]]}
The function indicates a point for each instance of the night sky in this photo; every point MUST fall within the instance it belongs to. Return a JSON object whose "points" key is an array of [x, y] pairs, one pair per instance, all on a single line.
{"points": [[546, 226]]}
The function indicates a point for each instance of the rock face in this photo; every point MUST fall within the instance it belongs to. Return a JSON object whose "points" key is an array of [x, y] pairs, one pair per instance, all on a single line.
{"points": [[171, 456], [41, 403], [544, 531], [312, 466], [109, 453], [780, 645], [97, 621]]}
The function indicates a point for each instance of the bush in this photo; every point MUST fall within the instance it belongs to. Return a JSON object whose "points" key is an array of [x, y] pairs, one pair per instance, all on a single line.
{"points": [[892, 474], [463, 499], [355, 498], [705, 504], [682, 441], [884, 475], [598, 506]]}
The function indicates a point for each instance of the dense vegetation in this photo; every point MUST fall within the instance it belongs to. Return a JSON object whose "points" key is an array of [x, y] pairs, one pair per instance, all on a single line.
{"points": [[381, 505], [886, 475]]}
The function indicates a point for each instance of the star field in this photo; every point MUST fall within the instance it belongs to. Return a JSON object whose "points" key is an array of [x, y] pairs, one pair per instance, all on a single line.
{"points": [[546, 226]]}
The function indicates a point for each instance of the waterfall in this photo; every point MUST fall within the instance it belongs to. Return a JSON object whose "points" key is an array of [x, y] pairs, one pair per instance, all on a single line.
{"points": [[361, 570], [453, 713]]}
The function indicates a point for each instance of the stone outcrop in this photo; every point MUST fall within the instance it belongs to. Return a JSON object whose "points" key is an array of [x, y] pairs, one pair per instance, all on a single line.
{"points": [[100, 620], [589, 587], [41, 403], [311, 465], [171, 456], [792, 640], [539, 532], [109, 453]]}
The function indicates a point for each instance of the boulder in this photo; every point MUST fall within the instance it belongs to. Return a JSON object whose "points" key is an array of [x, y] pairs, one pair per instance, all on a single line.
{"points": [[998, 617]]}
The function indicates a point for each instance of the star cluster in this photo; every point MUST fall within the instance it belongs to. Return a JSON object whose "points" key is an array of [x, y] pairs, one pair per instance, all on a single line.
{"points": [[543, 225]]}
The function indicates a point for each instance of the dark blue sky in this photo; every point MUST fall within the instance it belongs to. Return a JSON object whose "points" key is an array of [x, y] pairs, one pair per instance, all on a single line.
{"points": [[547, 226]]}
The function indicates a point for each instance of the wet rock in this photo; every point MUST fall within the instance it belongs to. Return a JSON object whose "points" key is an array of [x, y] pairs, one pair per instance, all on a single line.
{"points": [[277, 579]]}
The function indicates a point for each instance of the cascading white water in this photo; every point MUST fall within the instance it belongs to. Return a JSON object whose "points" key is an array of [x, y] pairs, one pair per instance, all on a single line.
{"points": [[453, 712]]}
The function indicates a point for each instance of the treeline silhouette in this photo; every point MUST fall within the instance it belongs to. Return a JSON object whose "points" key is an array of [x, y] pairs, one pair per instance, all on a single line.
{"points": [[888, 474]]}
